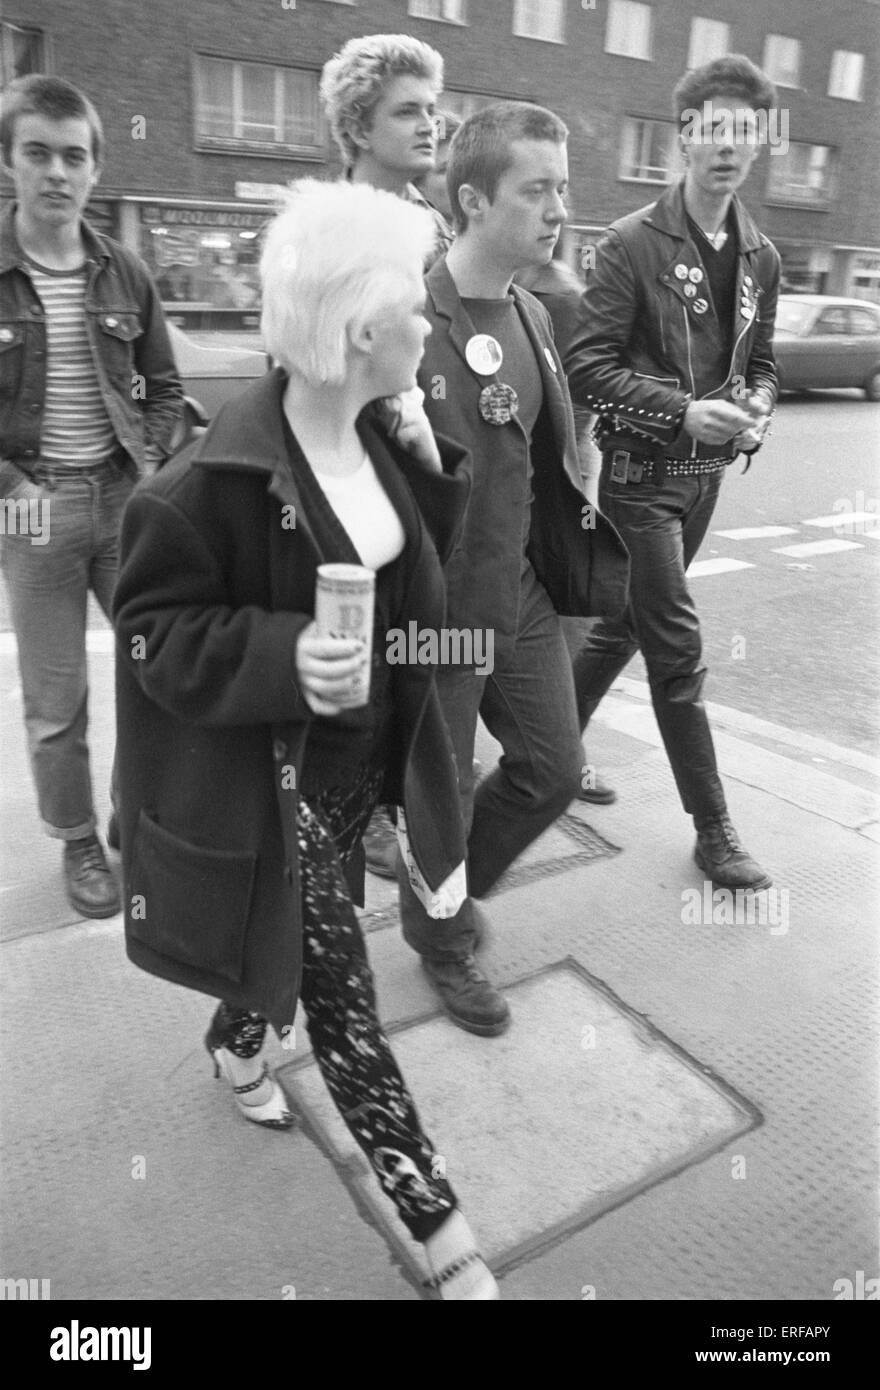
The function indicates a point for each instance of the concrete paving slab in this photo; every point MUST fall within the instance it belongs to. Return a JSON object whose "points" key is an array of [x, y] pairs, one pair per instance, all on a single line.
{"points": [[577, 1109]]}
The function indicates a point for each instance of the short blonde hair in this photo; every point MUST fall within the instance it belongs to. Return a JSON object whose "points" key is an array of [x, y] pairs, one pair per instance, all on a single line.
{"points": [[335, 255], [353, 81]]}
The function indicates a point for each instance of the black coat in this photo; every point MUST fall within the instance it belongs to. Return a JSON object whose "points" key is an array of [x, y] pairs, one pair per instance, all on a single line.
{"points": [[576, 554], [215, 587], [649, 341]]}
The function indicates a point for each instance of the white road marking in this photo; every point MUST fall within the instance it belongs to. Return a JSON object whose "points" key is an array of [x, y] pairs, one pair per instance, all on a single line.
{"points": [[817, 548], [842, 519], [719, 566], [756, 533]]}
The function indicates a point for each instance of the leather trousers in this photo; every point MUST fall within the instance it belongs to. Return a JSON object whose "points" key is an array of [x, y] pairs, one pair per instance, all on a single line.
{"points": [[662, 526]]}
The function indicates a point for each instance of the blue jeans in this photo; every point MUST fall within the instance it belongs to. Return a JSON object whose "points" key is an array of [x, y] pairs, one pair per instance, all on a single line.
{"points": [[662, 526], [528, 705], [49, 579]]}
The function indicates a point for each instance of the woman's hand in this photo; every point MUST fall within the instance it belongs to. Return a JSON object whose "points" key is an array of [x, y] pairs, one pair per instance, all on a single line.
{"points": [[331, 670], [405, 419]]}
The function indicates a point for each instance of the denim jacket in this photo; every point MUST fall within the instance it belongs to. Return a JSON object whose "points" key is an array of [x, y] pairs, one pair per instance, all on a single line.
{"points": [[648, 342], [128, 338]]}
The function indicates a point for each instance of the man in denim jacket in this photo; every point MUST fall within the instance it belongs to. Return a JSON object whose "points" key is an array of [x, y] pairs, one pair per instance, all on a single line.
{"points": [[89, 400]]}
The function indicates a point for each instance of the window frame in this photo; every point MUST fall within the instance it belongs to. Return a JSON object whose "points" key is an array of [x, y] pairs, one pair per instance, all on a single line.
{"points": [[235, 144], [45, 45], [636, 57], [847, 53], [779, 81], [822, 202], [440, 19], [645, 122], [519, 33], [706, 19]]}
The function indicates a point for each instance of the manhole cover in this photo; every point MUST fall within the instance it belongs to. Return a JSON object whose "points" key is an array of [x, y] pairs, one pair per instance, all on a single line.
{"points": [[579, 1107]]}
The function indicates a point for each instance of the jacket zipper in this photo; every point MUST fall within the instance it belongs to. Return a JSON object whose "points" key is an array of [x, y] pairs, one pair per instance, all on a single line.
{"points": [[687, 330]]}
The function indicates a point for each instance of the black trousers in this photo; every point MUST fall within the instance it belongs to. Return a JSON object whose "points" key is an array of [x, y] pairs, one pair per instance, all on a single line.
{"points": [[662, 526]]}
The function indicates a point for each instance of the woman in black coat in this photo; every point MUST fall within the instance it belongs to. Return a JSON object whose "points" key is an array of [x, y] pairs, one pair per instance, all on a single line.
{"points": [[245, 782]]}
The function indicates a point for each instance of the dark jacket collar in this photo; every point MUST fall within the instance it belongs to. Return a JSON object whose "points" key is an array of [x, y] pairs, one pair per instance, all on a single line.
{"points": [[11, 254], [668, 215], [248, 435]]}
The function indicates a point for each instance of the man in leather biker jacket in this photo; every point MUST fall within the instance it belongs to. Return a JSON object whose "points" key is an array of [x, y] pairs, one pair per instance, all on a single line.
{"points": [[673, 353]]}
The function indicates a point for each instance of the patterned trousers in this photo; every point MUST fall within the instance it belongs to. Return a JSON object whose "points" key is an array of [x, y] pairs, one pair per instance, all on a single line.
{"points": [[339, 999]]}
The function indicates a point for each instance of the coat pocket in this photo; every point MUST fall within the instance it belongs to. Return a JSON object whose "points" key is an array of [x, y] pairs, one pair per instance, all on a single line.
{"points": [[189, 903]]}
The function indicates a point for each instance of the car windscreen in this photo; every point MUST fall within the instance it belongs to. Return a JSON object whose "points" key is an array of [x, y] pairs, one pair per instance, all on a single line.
{"points": [[792, 317]]}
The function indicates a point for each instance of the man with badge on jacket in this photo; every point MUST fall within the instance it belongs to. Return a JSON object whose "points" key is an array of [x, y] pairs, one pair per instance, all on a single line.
{"points": [[531, 547], [674, 354], [90, 400]]}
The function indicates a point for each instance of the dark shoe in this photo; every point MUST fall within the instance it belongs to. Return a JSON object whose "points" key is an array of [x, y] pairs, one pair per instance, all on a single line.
{"points": [[113, 833], [598, 793], [91, 887], [721, 857], [468, 997], [380, 845]]}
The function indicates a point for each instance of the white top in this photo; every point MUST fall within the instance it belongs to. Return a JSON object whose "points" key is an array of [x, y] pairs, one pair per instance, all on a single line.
{"points": [[364, 509]]}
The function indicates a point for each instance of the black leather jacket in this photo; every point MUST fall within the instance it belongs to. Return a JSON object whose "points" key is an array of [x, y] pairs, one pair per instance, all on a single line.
{"points": [[643, 350]]}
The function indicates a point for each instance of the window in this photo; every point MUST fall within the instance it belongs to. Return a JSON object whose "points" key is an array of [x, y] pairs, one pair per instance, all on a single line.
{"points": [[847, 75], [864, 321], [647, 151], [782, 60], [831, 321], [803, 174], [256, 106], [629, 29], [22, 51], [464, 104], [450, 11], [540, 19], [710, 38]]}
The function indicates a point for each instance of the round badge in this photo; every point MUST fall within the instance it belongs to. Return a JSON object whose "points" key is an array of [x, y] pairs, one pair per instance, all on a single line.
{"points": [[695, 274], [747, 312], [747, 280], [690, 290], [700, 306], [681, 272], [550, 363], [483, 354], [498, 403]]}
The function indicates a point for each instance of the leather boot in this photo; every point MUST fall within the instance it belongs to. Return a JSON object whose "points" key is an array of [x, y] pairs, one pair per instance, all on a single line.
{"points": [[91, 887], [722, 858]]}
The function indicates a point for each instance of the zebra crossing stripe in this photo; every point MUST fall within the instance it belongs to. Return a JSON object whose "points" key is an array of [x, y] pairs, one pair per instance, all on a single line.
{"points": [[756, 533], [817, 548], [843, 519], [720, 566]]}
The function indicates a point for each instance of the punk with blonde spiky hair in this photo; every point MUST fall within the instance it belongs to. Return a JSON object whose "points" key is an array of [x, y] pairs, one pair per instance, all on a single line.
{"points": [[335, 255], [355, 78]]}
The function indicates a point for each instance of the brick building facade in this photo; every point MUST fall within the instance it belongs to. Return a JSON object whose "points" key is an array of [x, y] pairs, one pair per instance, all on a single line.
{"points": [[210, 105]]}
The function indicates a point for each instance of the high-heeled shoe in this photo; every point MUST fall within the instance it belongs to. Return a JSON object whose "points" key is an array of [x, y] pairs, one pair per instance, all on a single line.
{"points": [[463, 1274], [272, 1113]]}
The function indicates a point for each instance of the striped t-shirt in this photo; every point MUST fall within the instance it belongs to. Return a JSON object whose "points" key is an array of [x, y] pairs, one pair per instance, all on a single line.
{"points": [[76, 427]]}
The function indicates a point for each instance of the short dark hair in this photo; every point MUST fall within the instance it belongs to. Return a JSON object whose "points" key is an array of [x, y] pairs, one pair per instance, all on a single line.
{"points": [[52, 97], [734, 76], [480, 152]]}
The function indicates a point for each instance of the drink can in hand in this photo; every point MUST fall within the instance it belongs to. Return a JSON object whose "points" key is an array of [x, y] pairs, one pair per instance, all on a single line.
{"points": [[344, 606]]}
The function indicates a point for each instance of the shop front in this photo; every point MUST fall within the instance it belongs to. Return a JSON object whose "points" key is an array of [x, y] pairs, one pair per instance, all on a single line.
{"points": [[204, 258]]}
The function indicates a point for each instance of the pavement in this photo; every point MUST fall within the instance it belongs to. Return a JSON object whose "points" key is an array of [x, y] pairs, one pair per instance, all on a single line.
{"points": [[127, 1173]]}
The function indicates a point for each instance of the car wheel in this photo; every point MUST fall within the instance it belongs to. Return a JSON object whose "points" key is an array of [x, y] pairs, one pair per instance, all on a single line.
{"points": [[872, 385]]}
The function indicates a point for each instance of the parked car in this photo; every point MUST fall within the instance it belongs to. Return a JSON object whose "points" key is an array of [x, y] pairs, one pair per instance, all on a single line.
{"points": [[213, 368], [822, 341]]}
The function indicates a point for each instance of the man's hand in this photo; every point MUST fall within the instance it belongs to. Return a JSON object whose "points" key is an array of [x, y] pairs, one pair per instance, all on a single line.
{"points": [[760, 409], [714, 422], [330, 669], [406, 422]]}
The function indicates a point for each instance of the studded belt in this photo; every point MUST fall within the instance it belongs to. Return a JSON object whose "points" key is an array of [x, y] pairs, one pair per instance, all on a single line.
{"points": [[629, 467]]}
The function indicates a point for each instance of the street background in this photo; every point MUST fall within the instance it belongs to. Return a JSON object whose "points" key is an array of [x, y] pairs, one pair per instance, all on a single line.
{"points": [[128, 1174]]}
